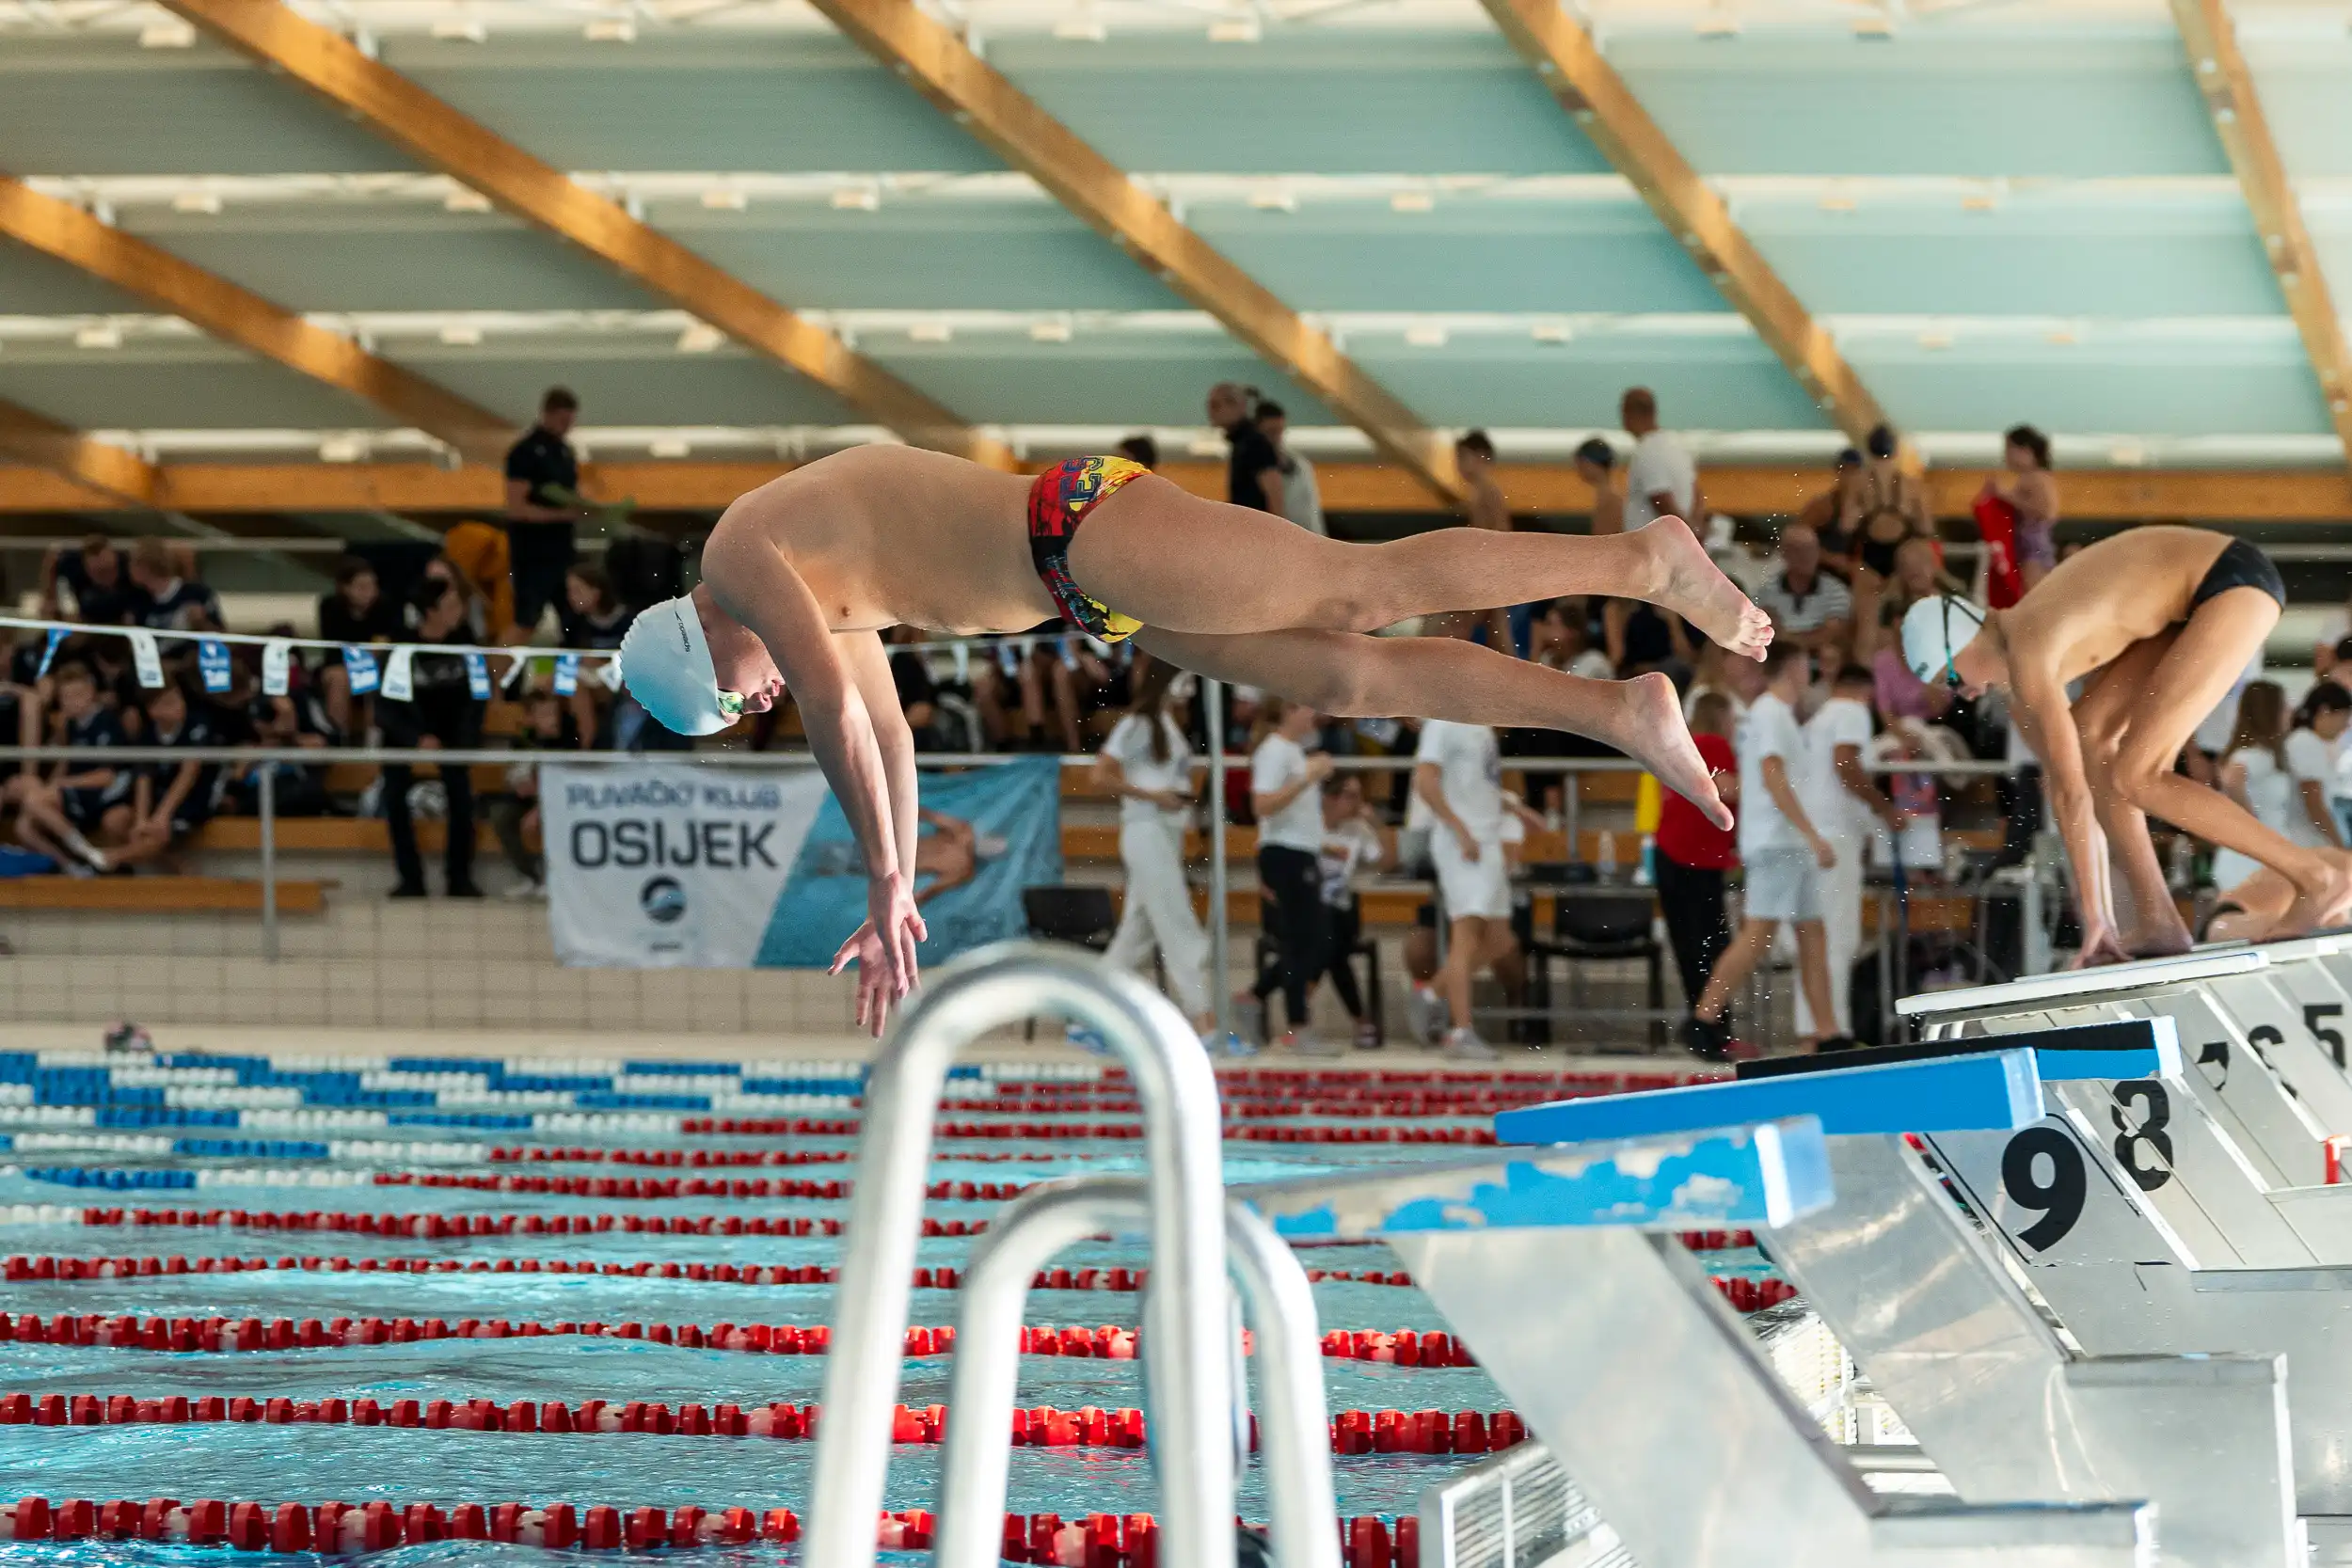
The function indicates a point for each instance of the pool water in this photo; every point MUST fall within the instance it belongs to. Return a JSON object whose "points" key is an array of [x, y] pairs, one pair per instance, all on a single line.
{"points": [[91, 1138]]}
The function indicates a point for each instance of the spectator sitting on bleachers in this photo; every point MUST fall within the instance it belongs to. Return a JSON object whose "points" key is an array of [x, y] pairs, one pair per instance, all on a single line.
{"points": [[442, 712], [170, 802], [474, 619], [1563, 640], [354, 614], [296, 722], [94, 575], [25, 693], [515, 814], [918, 690], [79, 806], [166, 596]]}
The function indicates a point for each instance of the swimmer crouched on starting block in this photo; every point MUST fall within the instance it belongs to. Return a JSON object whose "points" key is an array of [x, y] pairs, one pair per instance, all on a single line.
{"points": [[2161, 621], [801, 575]]}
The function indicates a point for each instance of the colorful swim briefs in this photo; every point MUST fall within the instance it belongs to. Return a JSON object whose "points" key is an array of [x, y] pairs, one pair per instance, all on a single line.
{"points": [[1059, 500]]}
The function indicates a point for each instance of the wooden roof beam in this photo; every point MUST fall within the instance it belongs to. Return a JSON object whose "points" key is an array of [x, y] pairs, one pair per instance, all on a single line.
{"points": [[1013, 126], [106, 474], [1565, 55], [2236, 107], [430, 130], [65, 233]]}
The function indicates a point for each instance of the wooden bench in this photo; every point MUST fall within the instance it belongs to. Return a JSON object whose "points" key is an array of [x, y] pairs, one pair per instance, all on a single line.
{"points": [[326, 836], [158, 895]]}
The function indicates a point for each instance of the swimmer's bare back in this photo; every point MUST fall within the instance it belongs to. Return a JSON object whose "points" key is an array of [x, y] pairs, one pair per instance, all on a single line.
{"points": [[2123, 590], [889, 535]]}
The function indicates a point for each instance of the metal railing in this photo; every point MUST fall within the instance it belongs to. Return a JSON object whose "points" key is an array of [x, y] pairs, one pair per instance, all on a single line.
{"points": [[1517, 1510], [1187, 1375], [1026, 1235]]}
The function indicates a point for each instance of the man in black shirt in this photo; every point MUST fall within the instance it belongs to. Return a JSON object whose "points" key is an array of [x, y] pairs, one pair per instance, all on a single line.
{"points": [[542, 505], [1253, 472], [442, 711], [164, 600]]}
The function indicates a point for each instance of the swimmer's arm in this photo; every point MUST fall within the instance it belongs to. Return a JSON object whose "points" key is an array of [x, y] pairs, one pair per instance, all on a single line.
{"points": [[765, 594], [2038, 706], [868, 663]]}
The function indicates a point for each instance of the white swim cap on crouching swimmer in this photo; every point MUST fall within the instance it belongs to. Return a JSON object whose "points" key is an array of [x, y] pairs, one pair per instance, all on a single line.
{"points": [[1934, 631], [665, 662]]}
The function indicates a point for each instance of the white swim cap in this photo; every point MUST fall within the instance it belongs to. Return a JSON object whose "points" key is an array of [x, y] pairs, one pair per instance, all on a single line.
{"points": [[665, 661], [1934, 631]]}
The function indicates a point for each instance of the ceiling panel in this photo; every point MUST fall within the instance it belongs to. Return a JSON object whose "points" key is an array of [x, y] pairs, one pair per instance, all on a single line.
{"points": [[1483, 255], [1713, 383], [1333, 102], [919, 256], [386, 255], [197, 386], [1926, 102], [2263, 390], [2304, 82], [104, 105], [2194, 258], [1141, 380], [32, 284], [796, 102], [621, 383]]}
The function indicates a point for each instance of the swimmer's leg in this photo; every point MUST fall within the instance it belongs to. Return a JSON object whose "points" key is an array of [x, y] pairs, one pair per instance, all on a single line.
{"points": [[1173, 559], [2250, 910], [2150, 925], [2194, 674], [1351, 676]]}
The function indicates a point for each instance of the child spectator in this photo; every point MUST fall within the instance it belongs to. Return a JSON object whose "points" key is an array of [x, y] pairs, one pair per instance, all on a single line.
{"points": [[596, 622], [296, 722], [171, 800], [79, 802], [515, 816], [1694, 854], [1351, 843], [1785, 853], [441, 712], [166, 596], [2254, 774], [1457, 772], [356, 614]]}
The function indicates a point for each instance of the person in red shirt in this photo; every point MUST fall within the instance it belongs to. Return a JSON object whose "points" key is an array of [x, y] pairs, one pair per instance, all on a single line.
{"points": [[1692, 854]]}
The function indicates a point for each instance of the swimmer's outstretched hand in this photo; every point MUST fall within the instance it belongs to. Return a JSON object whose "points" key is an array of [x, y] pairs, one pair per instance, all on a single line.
{"points": [[1687, 581], [884, 950], [2101, 945]]}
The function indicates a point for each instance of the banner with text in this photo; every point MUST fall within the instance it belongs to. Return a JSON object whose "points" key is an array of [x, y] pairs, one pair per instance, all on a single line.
{"points": [[663, 864]]}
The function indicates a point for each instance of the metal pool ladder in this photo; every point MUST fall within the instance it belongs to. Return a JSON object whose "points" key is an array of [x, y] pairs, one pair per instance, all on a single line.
{"points": [[1187, 1319]]}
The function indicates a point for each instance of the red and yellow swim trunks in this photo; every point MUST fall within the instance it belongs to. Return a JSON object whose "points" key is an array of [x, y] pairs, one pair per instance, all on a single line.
{"points": [[1059, 500]]}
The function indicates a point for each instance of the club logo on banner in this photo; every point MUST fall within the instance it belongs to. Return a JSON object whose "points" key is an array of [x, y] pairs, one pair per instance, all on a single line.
{"points": [[657, 864]]}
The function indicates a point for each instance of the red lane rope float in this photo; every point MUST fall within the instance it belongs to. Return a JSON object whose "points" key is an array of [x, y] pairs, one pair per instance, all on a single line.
{"points": [[703, 1158], [1351, 1431], [1108, 1341], [1094, 1541], [1008, 1131], [674, 1187], [21, 1269], [462, 1227]]}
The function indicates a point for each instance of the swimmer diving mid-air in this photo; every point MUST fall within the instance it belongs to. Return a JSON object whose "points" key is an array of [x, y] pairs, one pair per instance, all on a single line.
{"points": [[801, 575]]}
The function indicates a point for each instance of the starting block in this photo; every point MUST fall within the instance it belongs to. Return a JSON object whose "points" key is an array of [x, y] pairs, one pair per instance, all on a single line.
{"points": [[2006, 1410], [2148, 1213], [1558, 1268]]}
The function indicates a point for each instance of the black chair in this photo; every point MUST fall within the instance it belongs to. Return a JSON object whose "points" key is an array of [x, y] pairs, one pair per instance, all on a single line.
{"points": [[1082, 916], [1599, 926]]}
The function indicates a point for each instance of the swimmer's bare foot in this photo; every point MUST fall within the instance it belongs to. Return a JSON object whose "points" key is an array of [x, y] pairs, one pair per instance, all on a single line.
{"points": [[1690, 583], [1649, 728], [2322, 895]]}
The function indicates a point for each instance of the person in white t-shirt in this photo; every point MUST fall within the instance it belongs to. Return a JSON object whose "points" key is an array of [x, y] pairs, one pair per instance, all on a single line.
{"points": [[1661, 481], [1845, 803], [1147, 762], [1284, 794], [1785, 853], [2310, 755], [1458, 775]]}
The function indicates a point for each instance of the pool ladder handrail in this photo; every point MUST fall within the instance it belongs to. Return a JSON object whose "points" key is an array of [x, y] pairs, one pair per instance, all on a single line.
{"points": [[1025, 1236], [1187, 1376]]}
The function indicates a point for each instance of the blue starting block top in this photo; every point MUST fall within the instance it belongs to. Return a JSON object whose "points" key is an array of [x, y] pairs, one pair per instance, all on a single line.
{"points": [[2119, 1049], [1764, 1174]]}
